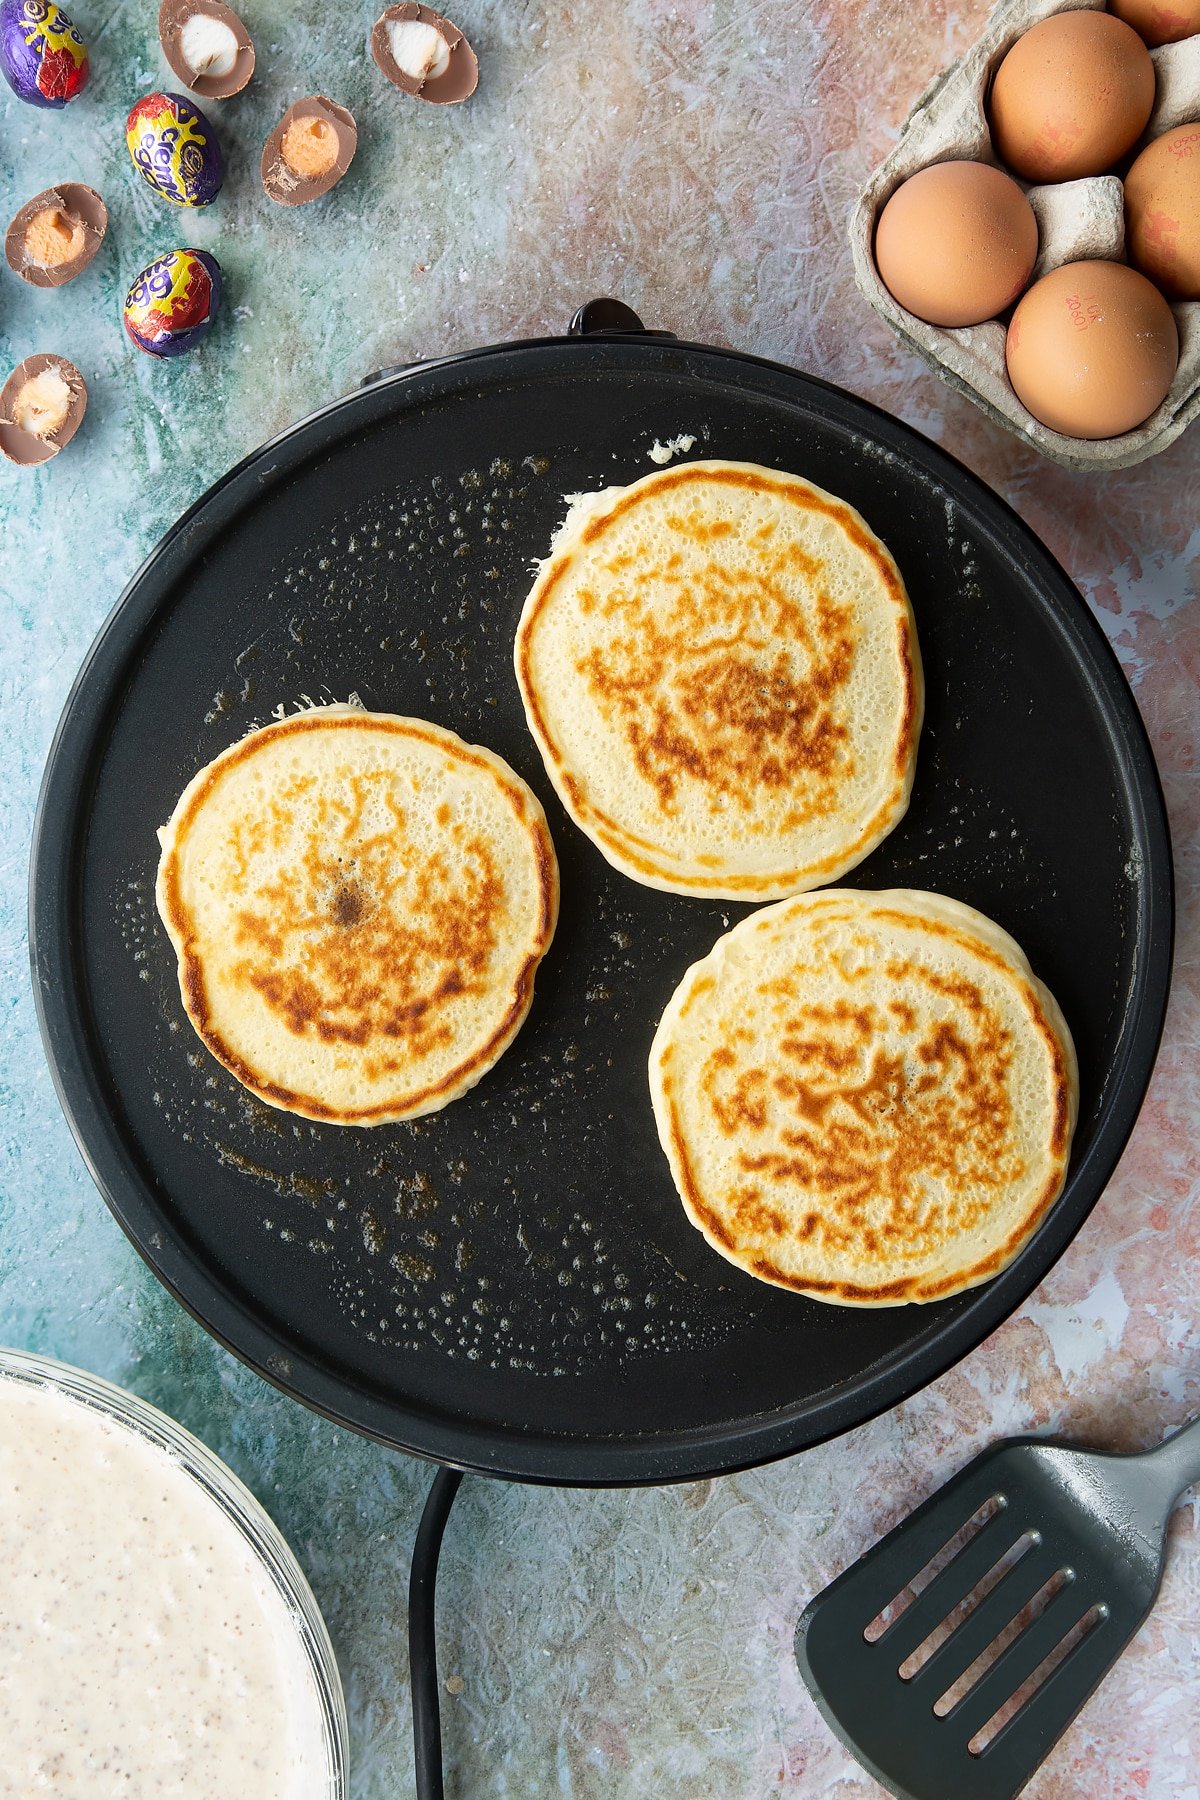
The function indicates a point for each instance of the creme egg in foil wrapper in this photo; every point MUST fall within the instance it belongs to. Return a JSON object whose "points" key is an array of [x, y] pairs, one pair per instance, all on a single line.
{"points": [[45, 61], [172, 303], [175, 149]]}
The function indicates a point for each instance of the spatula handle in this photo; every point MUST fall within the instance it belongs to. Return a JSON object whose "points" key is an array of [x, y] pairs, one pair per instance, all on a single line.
{"points": [[1178, 1459]]}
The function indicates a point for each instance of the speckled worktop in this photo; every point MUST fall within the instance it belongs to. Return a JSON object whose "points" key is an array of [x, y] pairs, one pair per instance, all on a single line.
{"points": [[698, 159]]}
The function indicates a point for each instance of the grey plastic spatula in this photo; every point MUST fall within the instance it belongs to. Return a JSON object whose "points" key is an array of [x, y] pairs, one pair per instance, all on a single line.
{"points": [[952, 1656]]}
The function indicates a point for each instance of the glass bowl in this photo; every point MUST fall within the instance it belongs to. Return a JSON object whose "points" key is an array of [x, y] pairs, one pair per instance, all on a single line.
{"points": [[239, 1506]]}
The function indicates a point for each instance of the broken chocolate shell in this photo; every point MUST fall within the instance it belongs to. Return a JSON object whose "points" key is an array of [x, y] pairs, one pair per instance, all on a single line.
{"points": [[41, 407], [309, 151], [207, 46], [56, 234], [424, 55]]}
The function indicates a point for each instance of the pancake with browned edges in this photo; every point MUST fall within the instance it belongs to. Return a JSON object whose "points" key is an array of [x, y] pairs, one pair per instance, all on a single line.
{"points": [[359, 903], [865, 1097], [720, 667]]}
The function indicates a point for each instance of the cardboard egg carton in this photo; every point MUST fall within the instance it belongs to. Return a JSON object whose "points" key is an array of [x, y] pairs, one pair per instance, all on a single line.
{"points": [[1076, 220]]}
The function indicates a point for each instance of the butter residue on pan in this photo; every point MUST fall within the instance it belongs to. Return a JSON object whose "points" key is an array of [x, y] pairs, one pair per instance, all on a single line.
{"points": [[661, 453]]}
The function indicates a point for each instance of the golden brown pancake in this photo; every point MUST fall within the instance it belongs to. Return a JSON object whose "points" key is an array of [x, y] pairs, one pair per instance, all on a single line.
{"points": [[358, 903], [720, 667], [865, 1097]]}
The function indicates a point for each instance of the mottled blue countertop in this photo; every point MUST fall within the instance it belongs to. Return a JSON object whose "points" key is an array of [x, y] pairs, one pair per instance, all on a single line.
{"points": [[699, 160]]}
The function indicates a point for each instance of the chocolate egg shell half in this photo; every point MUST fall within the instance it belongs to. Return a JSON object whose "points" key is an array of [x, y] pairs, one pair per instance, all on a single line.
{"points": [[172, 303], [309, 151], [424, 55], [207, 46], [56, 234], [44, 59], [41, 407], [175, 149]]}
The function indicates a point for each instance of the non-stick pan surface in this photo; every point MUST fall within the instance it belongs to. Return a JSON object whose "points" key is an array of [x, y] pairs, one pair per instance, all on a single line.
{"points": [[511, 1284]]}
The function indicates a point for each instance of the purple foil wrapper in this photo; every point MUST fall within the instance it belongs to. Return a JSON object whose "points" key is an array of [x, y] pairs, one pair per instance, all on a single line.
{"points": [[172, 303], [175, 149], [44, 59]]}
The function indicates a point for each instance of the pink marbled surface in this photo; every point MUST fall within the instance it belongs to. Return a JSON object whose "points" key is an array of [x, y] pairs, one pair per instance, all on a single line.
{"points": [[699, 159], [716, 201]]}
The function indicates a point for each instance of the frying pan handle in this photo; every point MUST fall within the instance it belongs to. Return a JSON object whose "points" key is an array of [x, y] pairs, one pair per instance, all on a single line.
{"points": [[393, 369], [610, 318], [597, 318]]}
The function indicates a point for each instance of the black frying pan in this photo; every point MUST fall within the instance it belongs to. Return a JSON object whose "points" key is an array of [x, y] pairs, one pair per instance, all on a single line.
{"points": [[511, 1285]]}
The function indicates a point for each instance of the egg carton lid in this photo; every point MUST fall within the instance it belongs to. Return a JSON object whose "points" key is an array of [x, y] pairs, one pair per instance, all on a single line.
{"points": [[1077, 220]]}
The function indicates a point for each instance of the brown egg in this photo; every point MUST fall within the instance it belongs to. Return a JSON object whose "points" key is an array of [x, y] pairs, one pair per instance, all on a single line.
{"points": [[1162, 212], [1071, 97], [956, 242], [1092, 349], [1159, 21]]}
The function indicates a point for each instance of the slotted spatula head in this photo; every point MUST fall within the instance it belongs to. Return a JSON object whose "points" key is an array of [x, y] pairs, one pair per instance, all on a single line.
{"points": [[951, 1657]]}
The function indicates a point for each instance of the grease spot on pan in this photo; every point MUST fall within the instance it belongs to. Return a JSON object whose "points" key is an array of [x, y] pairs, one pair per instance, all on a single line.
{"points": [[423, 1243]]}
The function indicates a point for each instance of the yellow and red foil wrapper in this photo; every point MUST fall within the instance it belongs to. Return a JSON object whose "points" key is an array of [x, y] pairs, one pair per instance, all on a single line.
{"points": [[42, 54], [175, 149], [172, 303]]}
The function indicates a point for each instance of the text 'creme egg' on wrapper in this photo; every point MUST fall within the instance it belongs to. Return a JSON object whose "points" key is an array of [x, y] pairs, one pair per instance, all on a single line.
{"points": [[175, 149], [45, 61], [173, 302]]}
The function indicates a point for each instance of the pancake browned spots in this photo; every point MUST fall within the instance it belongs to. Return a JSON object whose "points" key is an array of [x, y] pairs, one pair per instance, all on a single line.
{"points": [[721, 675], [719, 665], [867, 1098], [360, 949], [359, 903], [878, 1133]]}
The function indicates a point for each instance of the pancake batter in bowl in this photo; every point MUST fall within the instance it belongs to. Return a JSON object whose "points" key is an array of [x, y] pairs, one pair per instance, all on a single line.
{"points": [[146, 1646]]}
